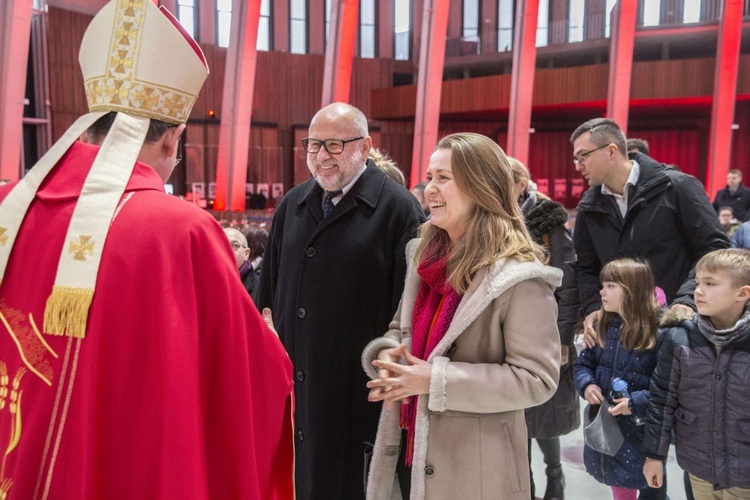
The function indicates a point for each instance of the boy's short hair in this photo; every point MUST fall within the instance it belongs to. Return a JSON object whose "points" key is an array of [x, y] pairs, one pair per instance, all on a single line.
{"points": [[733, 261]]}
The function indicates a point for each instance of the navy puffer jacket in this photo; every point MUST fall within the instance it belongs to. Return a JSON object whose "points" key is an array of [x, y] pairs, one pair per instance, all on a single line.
{"points": [[702, 394], [596, 366]]}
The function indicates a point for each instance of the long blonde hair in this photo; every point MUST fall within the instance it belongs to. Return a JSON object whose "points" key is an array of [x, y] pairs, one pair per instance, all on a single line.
{"points": [[639, 310], [496, 228]]}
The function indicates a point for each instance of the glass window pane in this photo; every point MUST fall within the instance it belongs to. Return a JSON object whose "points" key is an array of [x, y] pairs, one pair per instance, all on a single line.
{"points": [[298, 36], [691, 11], [186, 3], [542, 25], [298, 8], [471, 18], [651, 12], [367, 42], [263, 34], [224, 25], [367, 12], [402, 46], [402, 19], [505, 25], [265, 8], [225, 5], [608, 18], [187, 19], [575, 21]]}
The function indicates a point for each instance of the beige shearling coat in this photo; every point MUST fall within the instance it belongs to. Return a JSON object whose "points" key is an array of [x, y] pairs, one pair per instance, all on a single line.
{"points": [[501, 354]]}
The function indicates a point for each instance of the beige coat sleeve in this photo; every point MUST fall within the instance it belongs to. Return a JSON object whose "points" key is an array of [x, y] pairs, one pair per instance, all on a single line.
{"points": [[528, 366]]}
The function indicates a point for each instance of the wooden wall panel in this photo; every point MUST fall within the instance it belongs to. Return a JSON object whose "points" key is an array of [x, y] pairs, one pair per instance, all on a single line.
{"points": [[65, 31]]}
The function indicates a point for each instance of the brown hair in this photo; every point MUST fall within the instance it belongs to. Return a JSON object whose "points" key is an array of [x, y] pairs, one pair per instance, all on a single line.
{"points": [[639, 311], [603, 131], [496, 228], [733, 261]]}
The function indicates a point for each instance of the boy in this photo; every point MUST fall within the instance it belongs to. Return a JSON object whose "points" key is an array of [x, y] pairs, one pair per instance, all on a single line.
{"points": [[701, 385]]}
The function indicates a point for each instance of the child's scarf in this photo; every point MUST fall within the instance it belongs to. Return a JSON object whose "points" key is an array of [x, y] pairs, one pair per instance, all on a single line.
{"points": [[434, 308]]}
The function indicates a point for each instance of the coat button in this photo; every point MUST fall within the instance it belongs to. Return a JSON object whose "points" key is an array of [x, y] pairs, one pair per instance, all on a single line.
{"points": [[310, 252], [429, 471], [301, 312], [300, 435], [718, 377], [300, 375]]}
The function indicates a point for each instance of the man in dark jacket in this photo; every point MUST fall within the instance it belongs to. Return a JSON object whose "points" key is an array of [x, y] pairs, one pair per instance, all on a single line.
{"points": [[333, 274], [734, 195], [637, 207]]}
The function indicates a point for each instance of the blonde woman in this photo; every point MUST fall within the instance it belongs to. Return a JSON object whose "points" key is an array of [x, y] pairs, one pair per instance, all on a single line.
{"points": [[473, 343]]}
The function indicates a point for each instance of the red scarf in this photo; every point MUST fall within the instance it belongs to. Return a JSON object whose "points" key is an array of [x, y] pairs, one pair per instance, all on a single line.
{"points": [[433, 312]]}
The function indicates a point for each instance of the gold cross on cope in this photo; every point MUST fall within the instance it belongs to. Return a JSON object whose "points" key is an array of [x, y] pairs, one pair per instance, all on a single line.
{"points": [[3, 236], [84, 245]]}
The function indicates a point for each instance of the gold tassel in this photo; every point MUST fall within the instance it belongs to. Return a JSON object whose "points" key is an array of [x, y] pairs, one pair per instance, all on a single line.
{"points": [[67, 311]]}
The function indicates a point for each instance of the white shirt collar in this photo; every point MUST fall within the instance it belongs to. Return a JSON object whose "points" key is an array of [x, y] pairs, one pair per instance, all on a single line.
{"points": [[635, 172]]}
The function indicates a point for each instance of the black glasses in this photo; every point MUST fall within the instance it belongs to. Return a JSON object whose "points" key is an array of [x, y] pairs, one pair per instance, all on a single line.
{"points": [[333, 146], [581, 157]]}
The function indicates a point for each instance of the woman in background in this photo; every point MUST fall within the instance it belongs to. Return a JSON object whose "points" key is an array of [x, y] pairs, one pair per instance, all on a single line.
{"points": [[545, 220]]}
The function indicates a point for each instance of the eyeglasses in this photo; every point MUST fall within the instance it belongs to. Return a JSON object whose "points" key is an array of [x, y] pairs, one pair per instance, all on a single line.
{"points": [[582, 156], [237, 246], [333, 146]]}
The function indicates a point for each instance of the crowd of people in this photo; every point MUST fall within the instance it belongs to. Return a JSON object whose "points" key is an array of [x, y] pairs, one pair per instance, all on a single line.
{"points": [[408, 344]]}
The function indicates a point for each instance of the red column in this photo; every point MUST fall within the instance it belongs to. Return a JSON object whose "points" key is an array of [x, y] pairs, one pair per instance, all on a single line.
{"points": [[15, 30], [429, 85], [621, 61], [522, 79], [725, 92], [337, 75], [237, 107]]}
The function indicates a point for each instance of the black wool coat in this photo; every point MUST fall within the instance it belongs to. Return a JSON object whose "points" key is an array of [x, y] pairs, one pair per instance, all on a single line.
{"points": [[545, 220], [669, 222], [334, 284]]}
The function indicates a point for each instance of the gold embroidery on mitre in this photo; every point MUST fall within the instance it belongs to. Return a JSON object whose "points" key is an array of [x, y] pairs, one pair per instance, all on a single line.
{"points": [[119, 90], [3, 236], [82, 247]]}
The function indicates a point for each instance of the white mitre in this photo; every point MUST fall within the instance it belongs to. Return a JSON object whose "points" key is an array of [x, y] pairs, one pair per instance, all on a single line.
{"points": [[139, 62]]}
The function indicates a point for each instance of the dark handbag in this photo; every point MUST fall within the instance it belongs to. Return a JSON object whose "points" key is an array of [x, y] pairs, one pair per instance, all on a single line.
{"points": [[600, 430]]}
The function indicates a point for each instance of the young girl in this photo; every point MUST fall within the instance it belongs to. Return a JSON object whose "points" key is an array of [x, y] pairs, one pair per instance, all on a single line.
{"points": [[628, 344]]}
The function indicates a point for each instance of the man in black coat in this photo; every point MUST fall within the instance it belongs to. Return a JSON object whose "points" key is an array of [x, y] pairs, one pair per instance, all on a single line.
{"points": [[637, 207], [334, 282], [734, 195]]}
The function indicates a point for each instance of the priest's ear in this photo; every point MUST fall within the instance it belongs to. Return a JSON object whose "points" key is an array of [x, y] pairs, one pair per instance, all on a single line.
{"points": [[171, 140]]}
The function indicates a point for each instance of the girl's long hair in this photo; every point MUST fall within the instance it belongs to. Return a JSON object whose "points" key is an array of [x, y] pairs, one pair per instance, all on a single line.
{"points": [[496, 228], [639, 310]]}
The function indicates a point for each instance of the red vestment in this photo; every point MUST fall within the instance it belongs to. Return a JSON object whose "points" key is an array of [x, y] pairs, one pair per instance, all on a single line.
{"points": [[178, 390]]}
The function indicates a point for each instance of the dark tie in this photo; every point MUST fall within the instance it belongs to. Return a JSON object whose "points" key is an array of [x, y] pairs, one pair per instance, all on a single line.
{"points": [[328, 201]]}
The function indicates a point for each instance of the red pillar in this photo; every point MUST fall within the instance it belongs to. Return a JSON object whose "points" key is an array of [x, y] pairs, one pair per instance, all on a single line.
{"points": [[15, 30], [337, 75], [429, 85], [237, 107], [725, 92], [621, 61], [522, 79]]}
